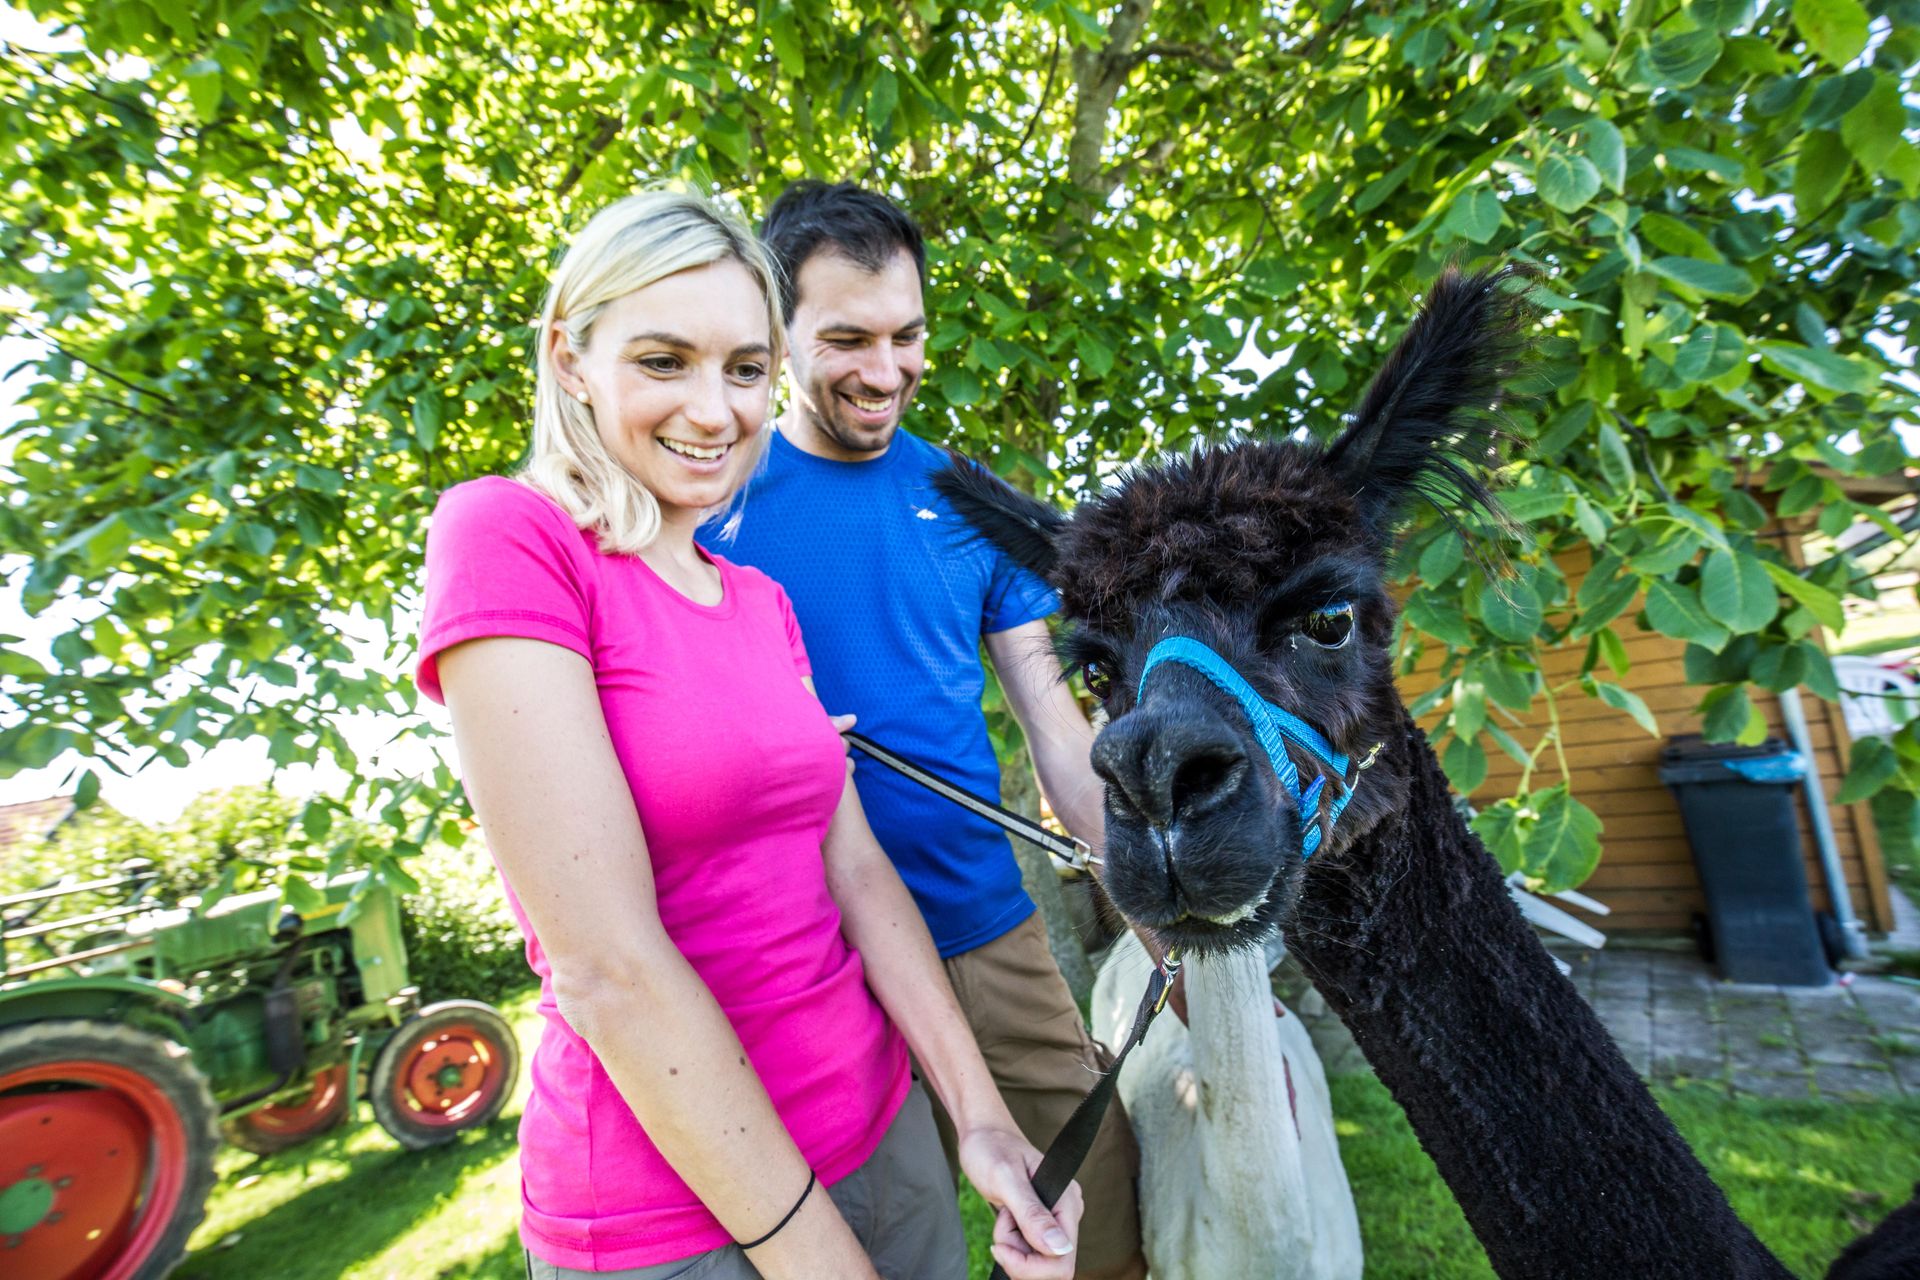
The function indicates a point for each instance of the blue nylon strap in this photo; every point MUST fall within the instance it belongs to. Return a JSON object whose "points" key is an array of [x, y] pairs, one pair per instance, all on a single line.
{"points": [[1191, 653], [1272, 726]]}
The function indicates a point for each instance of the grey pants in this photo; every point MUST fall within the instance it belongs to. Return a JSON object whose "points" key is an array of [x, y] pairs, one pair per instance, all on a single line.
{"points": [[900, 1204]]}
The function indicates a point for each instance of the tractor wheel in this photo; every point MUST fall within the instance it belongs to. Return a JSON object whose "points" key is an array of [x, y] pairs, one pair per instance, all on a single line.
{"points": [[106, 1152], [448, 1068], [288, 1123]]}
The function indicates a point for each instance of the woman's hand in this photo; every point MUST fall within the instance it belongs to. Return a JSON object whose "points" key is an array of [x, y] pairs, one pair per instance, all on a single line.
{"points": [[1030, 1242]]}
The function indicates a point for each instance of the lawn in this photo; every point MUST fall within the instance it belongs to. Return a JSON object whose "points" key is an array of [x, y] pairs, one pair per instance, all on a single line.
{"points": [[1808, 1175]]}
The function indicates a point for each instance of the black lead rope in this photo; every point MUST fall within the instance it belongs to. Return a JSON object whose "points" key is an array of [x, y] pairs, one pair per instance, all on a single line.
{"points": [[1069, 1148], [1072, 853]]}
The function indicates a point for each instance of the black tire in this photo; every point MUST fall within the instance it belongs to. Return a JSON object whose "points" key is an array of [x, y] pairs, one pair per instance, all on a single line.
{"points": [[455, 1037], [276, 1128], [77, 1061]]}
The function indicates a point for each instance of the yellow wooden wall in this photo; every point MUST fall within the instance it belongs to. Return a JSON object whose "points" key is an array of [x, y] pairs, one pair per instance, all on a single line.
{"points": [[1646, 874]]}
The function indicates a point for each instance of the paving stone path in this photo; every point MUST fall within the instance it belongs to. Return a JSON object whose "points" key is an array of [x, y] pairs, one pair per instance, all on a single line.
{"points": [[1674, 1019]]}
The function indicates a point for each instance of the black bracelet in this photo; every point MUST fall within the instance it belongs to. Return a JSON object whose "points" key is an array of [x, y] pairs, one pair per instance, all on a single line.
{"points": [[755, 1244]]}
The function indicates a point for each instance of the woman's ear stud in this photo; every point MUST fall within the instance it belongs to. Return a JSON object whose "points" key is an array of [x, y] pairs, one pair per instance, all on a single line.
{"points": [[581, 396]]}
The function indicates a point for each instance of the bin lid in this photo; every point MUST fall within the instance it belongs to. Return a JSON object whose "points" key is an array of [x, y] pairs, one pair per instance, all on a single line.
{"points": [[1690, 758]]}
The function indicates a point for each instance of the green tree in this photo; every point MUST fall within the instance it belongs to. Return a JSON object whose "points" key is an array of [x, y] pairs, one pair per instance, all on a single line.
{"points": [[282, 255]]}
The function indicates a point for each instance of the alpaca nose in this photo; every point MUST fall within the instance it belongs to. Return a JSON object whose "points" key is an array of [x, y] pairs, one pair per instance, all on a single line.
{"points": [[1169, 768]]}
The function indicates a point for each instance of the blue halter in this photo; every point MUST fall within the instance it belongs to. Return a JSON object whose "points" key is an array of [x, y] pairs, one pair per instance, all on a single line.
{"points": [[1273, 726]]}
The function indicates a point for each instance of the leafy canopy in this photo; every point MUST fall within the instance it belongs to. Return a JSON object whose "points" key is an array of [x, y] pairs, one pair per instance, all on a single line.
{"points": [[282, 255]]}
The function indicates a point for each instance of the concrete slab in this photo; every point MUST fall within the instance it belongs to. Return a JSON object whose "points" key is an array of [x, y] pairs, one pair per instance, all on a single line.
{"points": [[1772, 1084], [1860, 1082]]}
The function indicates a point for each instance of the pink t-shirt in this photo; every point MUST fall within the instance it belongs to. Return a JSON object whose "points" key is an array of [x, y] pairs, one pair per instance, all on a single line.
{"points": [[735, 772]]}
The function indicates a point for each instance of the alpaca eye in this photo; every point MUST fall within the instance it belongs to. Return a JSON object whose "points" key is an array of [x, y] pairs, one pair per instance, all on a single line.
{"points": [[1098, 679], [1331, 627]]}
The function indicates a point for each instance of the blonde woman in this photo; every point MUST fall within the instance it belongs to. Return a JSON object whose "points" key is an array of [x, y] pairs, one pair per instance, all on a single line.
{"points": [[731, 973]]}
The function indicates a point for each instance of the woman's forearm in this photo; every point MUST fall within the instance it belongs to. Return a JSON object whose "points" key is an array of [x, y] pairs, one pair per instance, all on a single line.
{"points": [[670, 1051]]}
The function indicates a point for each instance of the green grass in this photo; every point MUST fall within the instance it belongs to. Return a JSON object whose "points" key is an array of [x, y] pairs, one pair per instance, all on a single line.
{"points": [[1807, 1175]]}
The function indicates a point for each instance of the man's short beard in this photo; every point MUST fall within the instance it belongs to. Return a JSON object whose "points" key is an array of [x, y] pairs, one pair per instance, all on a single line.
{"points": [[833, 429]]}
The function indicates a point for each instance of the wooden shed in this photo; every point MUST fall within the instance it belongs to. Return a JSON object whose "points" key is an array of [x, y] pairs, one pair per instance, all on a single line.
{"points": [[1646, 872]]}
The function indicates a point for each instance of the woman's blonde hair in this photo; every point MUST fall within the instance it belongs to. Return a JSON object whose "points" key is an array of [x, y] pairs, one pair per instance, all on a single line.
{"points": [[627, 246]]}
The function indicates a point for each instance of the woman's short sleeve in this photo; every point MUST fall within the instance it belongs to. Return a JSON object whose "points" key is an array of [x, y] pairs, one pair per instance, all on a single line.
{"points": [[502, 561], [792, 624]]}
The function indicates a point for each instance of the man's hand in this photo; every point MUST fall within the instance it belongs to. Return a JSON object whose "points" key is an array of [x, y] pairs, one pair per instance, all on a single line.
{"points": [[1030, 1242]]}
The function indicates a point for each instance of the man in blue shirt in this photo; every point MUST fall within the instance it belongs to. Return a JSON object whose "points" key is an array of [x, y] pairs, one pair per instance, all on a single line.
{"points": [[894, 600]]}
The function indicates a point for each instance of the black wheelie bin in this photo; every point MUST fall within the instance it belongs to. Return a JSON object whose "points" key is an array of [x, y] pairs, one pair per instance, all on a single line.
{"points": [[1738, 806]]}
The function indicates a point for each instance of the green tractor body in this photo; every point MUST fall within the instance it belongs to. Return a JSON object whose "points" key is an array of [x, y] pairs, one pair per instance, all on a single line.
{"points": [[153, 1029]]}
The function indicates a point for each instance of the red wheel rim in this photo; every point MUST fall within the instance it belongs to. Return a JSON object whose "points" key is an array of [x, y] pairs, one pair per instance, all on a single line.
{"points": [[111, 1151], [312, 1111], [449, 1077]]}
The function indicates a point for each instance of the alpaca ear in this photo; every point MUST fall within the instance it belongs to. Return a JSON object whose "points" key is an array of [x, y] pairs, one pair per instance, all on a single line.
{"points": [[1019, 524], [1428, 421]]}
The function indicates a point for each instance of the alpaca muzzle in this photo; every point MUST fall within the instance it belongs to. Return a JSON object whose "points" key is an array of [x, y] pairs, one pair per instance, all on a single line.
{"points": [[1273, 727]]}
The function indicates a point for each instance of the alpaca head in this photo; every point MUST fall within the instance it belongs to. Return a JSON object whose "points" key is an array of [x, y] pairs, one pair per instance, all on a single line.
{"points": [[1272, 553]]}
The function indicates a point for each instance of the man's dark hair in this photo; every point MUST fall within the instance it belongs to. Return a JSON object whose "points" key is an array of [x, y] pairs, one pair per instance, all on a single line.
{"points": [[840, 217]]}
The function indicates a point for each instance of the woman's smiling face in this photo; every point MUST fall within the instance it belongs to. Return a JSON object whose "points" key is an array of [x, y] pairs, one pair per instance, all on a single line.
{"points": [[678, 375]]}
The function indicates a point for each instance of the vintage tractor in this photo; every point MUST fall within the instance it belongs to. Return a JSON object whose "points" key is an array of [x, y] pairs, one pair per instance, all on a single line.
{"points": [[134, 1036]]}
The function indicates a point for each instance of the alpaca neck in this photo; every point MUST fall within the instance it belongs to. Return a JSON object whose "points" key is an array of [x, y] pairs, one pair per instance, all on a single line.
{"points": [[1554, 1148], [1253, 1139]]}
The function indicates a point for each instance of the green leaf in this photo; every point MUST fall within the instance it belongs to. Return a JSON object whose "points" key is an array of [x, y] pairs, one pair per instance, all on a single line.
{"points": [[1721, 15], [1828, 370], [1602, 600], [1566, 181], [1504, 684], [1873, 765], [1095, 354], [1563, 848], [1709, 351], [426, 419], [1680, 61], [1502, 828], [1677, 237], [1819, 171], [1822, 603], [1715, 279], [1727, 714], [1872, 129], [1616, 464], [1474, 216], [1441, 557], [1737, 591], [1780, 666], [783, 30], [1465, 764], [1834, 29], [1439, 619], [1613, 650], [88, 789], [1512, 610], [1675, 611], [204, 89], [1604, 146], [882, 98], [1627, 700], [302, 896]]}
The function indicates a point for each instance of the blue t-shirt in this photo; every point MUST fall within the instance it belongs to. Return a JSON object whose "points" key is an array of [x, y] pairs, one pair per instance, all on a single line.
{"points": [[893, 596]]}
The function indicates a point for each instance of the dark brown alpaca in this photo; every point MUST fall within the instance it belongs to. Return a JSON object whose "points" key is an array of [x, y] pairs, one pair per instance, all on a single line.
{"points": [[1557, 1153]]}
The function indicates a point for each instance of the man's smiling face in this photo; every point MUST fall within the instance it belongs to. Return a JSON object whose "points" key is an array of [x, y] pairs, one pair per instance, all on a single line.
{"points": [[858, 342]]}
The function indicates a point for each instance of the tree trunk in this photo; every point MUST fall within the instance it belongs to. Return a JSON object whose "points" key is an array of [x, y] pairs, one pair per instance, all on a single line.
{"points": [[1020, 792]]}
